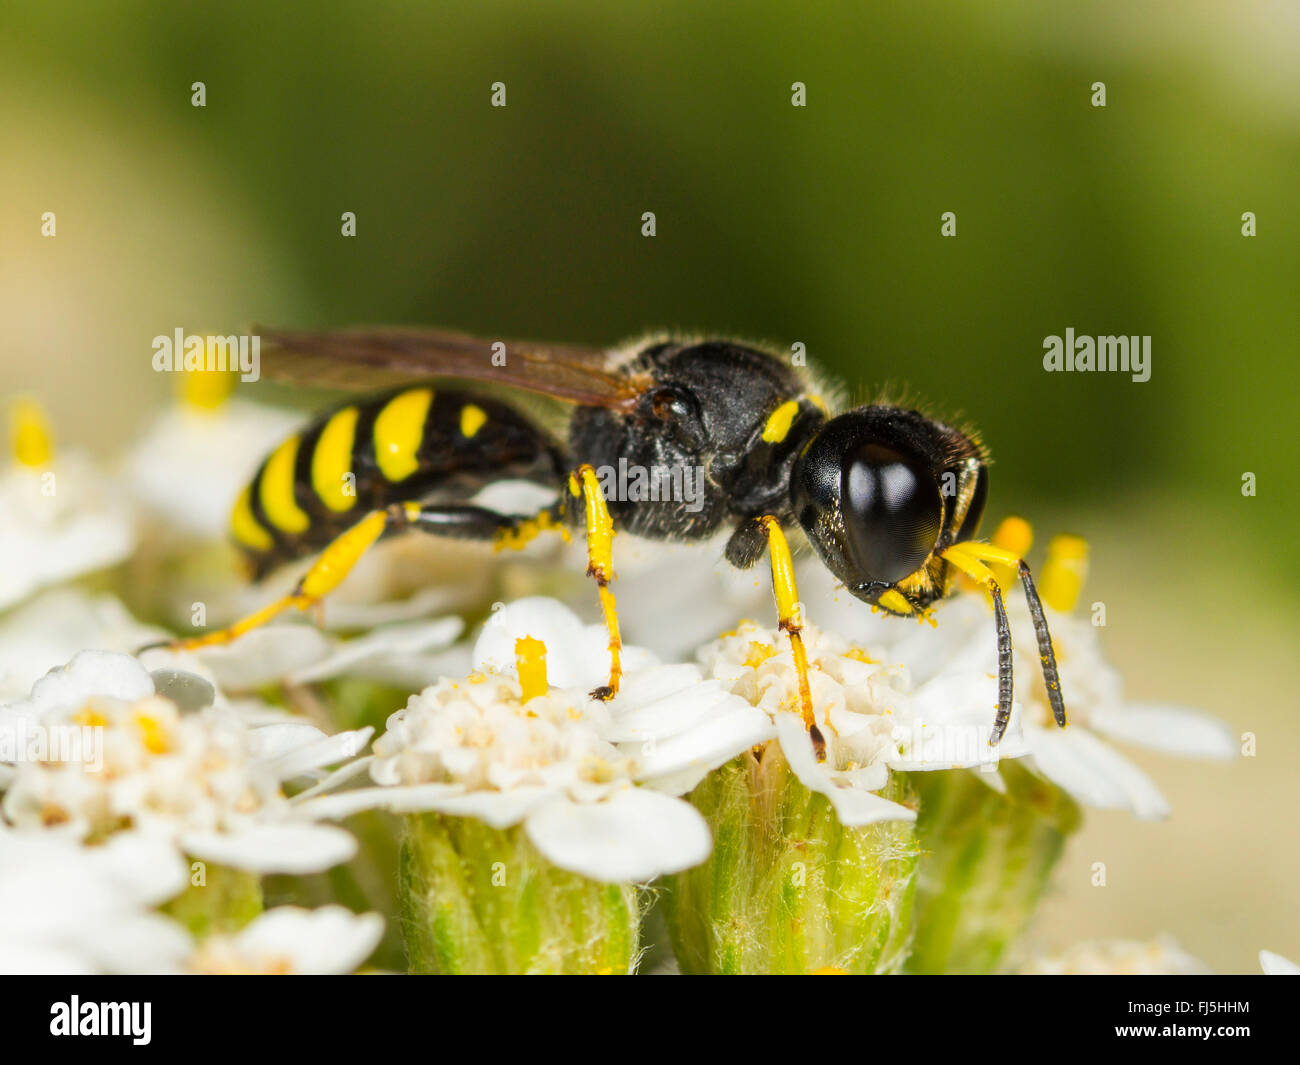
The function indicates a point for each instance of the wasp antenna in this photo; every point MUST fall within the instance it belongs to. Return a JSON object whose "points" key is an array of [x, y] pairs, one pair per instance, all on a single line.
{"points": [[1047, 656], [1005, 682]]}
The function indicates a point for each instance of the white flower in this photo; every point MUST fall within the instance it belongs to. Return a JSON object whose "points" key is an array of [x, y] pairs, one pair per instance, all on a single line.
{"points": [[1276, 965], [1118, 957], [1076, 758], [49, 629], [292, 941], [59, 517], [591, 782], [407, 654], [206, 781], [872, 715], [70, 909]]}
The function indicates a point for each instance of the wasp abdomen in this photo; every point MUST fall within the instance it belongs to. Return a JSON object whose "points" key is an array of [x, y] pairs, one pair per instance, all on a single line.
{"points": [[410, 445]]}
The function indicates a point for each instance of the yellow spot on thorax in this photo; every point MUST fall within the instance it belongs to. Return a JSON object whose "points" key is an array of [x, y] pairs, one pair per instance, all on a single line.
{"points": [[779, 422], [472, 419], [276, 489], [399, 430], [31, 439], [1064, 572], [530, 662], [244, 527], [206, 390], [331, 461]]}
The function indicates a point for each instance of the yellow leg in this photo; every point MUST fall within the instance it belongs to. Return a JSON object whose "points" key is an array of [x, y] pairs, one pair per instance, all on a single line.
{"points": [[335, 562], [600, 565], [790, 619]]}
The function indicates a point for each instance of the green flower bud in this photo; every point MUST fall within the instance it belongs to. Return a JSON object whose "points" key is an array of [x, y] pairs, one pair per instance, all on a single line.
{"points": [[477, 899], [789, 889], [986, 858]]}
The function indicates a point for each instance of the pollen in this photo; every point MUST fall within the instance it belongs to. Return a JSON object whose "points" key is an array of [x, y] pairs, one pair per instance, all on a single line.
{"points": [[32, 441], [206, 390], [1064, 572], [152, 733], [530, 661]]}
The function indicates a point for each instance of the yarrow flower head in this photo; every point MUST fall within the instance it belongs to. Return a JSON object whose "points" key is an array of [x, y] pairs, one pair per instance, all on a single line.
{"points": [[566, 766], [59, 516], [557, 786], [1118, 957], [873, 716], [95, 750]]}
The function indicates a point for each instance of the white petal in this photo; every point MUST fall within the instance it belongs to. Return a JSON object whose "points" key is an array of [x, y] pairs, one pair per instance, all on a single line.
{"points": [[319, 752], [853, 806], [265, 655], [499, 809], [330, 940], [1276, 965], [91, 674], [282, 848], [715, 741], [630, 837], [353, 657], [543, 619], [1095, 774], [1171, 729]]}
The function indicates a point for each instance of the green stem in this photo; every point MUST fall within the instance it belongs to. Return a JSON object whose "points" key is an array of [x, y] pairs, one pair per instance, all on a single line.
{"points": [[481, 900], [789, 889], [986, 861]]}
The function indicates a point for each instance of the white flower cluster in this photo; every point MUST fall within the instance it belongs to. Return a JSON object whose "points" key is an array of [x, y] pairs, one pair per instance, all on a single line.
{"points": [[591, 782], [95, 750]]}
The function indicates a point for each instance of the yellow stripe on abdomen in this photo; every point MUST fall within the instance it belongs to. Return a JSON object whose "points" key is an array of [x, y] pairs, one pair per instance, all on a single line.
{"points": [[399, 429], [331, 462], [276, 490], [244, 527]]}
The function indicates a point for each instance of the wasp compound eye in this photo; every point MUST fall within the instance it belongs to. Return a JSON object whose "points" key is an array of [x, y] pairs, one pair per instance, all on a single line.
{"points": [[892, 511]]}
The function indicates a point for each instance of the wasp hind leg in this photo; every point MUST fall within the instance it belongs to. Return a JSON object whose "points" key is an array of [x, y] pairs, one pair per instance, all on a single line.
{"points": [[744, 549], [461, 522], [979, 562]]}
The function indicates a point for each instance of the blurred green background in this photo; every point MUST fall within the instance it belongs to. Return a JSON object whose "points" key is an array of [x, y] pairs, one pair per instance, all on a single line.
{"points": [[818, 224]]}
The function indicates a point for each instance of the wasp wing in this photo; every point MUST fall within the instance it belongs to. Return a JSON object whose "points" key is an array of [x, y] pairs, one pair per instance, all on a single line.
{"points": [[368, 359]]}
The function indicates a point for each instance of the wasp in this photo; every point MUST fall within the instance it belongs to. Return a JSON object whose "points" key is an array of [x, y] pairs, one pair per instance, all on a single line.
{"points": [[889, 498]]}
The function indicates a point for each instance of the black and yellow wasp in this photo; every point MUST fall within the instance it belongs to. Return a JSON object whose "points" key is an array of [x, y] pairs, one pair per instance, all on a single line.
{"points": [[890, 499]]}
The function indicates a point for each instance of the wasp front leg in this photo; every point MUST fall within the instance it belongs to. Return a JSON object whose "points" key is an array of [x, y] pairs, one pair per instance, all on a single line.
{"points": [[585, 486], [743, 550]]}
